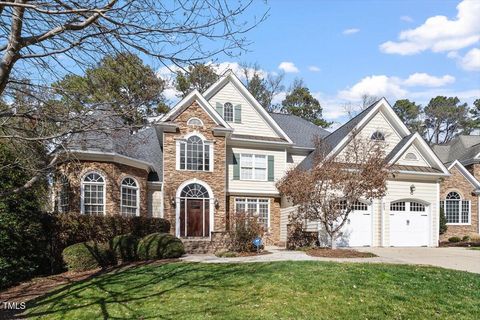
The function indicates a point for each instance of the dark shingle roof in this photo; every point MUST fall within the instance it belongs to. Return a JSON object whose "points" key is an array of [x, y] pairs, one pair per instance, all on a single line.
{"points": [[300, 131], [462, 148], [144, 145]]}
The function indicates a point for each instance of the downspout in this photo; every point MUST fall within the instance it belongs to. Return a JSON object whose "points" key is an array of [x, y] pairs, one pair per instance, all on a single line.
{"points": [[382, 233]]}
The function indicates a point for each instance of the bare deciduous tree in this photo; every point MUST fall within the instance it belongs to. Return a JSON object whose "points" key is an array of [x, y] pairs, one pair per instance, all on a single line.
{"points": [[42, 41], [329, 191]]}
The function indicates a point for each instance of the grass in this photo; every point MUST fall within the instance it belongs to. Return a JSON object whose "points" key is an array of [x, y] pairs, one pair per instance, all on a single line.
{"points": [[474, 248], [276, 290]]}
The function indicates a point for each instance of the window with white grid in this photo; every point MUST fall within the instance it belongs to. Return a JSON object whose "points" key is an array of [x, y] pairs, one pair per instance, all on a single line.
{"points": [[93, 194], [397, 206], [359, 206], [228, 112], [129, 197], [457, 211], [194, 154], [256, 206], [253, 167], [417, 207]]}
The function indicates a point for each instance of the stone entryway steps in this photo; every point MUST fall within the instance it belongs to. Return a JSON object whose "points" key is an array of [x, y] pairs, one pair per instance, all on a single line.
{"points": [[199, 246]]}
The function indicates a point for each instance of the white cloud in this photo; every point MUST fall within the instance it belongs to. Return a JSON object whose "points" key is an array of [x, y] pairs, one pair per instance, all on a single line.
{"points": [[314, 69], [350, 31], [288, 67], [279, 97], [471, 61], [171, 93], [375, 85], [426, 80], [406, 19], [439, 33], [237, 69]]}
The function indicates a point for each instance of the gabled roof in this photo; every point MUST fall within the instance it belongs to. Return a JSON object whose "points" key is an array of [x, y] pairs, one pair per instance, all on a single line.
{"points": [[187, 101], [464, 148], [475, 183], [301, 132], [229, 76]]}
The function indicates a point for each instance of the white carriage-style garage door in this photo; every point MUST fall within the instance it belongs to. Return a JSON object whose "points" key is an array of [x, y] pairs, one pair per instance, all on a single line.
{"points": [[357, 231], [409, 224]]}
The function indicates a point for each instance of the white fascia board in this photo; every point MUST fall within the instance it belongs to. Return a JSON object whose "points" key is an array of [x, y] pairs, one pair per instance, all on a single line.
{"points": [[188, 100], [432, 174], [430, 153], [235, 141], [111, 157], [402, 150], [465, 173], [252, 193], [230, 76]]}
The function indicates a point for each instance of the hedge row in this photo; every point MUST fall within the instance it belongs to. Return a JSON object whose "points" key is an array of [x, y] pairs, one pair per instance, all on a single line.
{"points": [[89, 255]]}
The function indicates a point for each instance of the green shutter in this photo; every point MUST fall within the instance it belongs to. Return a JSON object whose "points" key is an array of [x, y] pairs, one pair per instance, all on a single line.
{"points": [[271, 172], [219, 108], [236, 166], [238, 113]]}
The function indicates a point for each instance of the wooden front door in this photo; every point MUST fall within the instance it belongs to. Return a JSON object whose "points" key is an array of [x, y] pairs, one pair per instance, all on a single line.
{"points": [[194, 218]]}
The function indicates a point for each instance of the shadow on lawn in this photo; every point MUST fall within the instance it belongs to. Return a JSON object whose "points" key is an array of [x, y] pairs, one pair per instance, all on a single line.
{"points": [[121, 286]]}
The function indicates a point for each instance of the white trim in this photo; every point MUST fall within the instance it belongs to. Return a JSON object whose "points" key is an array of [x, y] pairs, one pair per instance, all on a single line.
{"points": [[254, 192], [211, 205], [194, 118], [187, 101], [229, 75], [465, 173], [460, 209], [180, 141], [137, 188], [82, 190], [438, 214], [111, 157]]}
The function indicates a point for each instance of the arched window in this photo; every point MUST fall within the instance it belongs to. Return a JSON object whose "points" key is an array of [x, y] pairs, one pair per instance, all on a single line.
{"points": [[194, 154], [194, 190], [228, 112], [93, 194], [63, 195], [378, 136], [411, 156], [129, 202], [457, 211], [194, 122]]}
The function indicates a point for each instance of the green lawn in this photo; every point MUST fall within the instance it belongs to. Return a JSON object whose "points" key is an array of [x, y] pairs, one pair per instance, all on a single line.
{"points": [[279, 290]]}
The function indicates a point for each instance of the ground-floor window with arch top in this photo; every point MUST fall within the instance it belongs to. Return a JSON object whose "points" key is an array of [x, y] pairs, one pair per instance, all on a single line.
{"points": [[194, 211], [456, 209]]}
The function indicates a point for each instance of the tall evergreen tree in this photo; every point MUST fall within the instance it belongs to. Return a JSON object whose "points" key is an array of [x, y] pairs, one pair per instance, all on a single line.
{"points": [[199, 76], [300, 102], [444, 118], [409, 112]]}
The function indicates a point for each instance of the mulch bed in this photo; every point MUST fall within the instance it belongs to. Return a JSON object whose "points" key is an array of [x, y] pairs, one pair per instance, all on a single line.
{"points": [[460, 244], [231, 254], [37, 287], [339, 253]]}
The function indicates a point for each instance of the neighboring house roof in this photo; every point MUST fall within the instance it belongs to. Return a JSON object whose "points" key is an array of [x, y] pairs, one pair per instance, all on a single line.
{"points": [[475, 183], [463, 148], [300, 131]]}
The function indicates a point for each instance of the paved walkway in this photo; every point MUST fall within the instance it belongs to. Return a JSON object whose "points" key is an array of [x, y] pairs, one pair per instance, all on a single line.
{"points": [[450, 258]]}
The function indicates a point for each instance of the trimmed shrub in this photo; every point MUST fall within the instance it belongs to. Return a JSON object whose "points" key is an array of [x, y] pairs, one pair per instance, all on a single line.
{"points": [[124, 247], [160, 246], [87, 256], [443, 222], [454, 239], [466, 238]]}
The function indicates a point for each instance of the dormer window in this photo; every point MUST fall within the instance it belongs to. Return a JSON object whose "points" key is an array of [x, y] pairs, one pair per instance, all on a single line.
{"points": [[195, 122], [378, 136], [228, 112]]}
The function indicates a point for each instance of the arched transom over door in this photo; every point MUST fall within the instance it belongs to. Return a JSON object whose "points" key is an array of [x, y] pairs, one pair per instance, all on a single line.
{"points": [[194, 212]]}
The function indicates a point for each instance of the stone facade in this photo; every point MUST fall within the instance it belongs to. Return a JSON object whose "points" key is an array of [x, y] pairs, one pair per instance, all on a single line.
{"points": [[457, 182], [113, 174], [216, 179]]}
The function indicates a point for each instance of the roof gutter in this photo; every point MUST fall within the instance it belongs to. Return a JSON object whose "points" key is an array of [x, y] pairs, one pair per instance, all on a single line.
{"points": [[111, 157]]}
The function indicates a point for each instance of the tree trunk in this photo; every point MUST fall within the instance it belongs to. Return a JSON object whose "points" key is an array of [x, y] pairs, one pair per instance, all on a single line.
{"points": [[333, 243]]}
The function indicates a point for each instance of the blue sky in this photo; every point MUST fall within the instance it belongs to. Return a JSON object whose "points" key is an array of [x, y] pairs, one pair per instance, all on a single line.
{"points": [[343, 49]]}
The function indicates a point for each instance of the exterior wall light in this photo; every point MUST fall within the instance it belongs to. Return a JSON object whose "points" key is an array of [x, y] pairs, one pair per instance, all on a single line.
{"points": [[412, 189]]}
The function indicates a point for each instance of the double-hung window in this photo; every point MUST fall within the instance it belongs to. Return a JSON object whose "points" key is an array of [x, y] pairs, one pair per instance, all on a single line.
{"points": [[253, 167], [257, 206], [93, 194], [129, 204], [194, 154]]}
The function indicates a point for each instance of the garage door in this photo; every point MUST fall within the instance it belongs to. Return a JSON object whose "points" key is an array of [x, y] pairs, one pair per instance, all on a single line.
{"points": [[357, 231], [409, 224]]}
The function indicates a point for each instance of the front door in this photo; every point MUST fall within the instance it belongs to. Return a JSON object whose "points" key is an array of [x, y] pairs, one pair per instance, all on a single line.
{"points": [[194, 218]]}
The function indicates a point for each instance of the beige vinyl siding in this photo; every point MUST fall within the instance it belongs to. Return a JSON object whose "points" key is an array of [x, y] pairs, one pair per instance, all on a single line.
{"points": [[253, 185], [380, 123], [424, 191], [419, 162], [252, 122], [296, 160], [284, 220]]}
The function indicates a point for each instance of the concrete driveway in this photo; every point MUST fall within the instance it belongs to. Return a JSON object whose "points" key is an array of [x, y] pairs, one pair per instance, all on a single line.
{"points": [[451, 258]]}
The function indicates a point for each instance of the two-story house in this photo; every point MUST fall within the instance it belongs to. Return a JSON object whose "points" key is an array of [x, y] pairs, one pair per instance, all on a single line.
{"points": [[219, 152]]}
